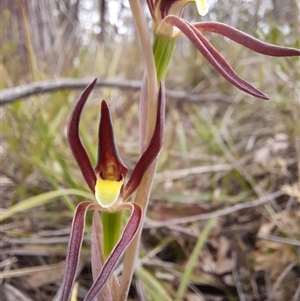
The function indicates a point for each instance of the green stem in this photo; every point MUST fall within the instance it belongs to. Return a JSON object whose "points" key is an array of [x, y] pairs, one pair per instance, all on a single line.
{"points": [[163, 48], [112, 227]]}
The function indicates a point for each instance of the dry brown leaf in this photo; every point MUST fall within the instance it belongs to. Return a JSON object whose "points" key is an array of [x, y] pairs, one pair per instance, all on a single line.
{"points": [[275, 256], [220, 263], [223, 262], [46, 274], [163, 212], [292, 190], [288, 223]]}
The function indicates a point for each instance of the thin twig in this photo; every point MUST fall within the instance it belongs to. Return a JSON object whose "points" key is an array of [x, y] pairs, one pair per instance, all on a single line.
{"points": [[39, 241], [31, 270], [181, 173], [20, 92], [280, 240], [267, 284], [229, 210], [297, 294], [52, 85], [279, 280], [236, 277]]}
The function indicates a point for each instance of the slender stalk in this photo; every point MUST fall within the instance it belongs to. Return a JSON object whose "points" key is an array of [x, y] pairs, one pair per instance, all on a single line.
{"points": [[148, 107], [112, 227]]}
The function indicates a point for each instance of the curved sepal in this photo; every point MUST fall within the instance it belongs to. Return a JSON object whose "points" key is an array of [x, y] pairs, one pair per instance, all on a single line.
{"points": [[213, 56], [131, 228], [78, 150], [246, 40], [74, 248], [152, 150]]}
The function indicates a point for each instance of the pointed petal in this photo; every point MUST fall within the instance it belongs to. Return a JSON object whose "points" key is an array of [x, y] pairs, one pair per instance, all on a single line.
{"points": [[75, 243], [131, 228], [153, 149], [213, 56], [107, 149], [78, 151], [246, 40]]}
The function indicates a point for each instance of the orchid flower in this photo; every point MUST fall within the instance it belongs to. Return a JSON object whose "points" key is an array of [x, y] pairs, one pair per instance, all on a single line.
{"points": [[108, 182], [168, 26]]}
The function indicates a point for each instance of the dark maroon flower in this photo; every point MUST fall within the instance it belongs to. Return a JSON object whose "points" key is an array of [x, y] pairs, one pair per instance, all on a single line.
{"points": [[112, 191]]}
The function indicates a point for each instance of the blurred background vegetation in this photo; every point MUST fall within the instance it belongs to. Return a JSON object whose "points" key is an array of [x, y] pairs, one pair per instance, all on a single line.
{"points": [[226, 149]]}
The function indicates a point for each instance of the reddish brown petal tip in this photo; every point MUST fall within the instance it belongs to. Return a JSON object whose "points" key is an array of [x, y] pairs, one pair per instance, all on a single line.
{"points": [[246, 40]]}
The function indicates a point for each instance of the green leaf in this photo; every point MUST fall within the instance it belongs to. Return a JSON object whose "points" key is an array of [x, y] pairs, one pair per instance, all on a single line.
{"points": [[42, 199]]}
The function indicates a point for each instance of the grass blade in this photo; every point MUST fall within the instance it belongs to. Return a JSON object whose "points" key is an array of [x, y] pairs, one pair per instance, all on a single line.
{"points": [[193, 258], [42, 199]]}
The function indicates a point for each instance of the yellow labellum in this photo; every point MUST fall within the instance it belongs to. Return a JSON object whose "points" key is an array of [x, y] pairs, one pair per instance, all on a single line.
{"points": [[107, 192], [202, 7]]}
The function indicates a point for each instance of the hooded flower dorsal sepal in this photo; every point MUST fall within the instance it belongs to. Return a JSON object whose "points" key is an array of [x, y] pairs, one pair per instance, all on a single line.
{"points": [[110, 169]]}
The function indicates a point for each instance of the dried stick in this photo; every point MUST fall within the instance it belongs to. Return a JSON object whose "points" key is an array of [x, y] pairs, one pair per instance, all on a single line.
{"points": [[52, 85], [236, 277], [190, 219]]}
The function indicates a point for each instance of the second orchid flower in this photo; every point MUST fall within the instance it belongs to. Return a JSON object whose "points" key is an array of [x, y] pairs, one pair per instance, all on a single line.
{"points": [[168, 26]]}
